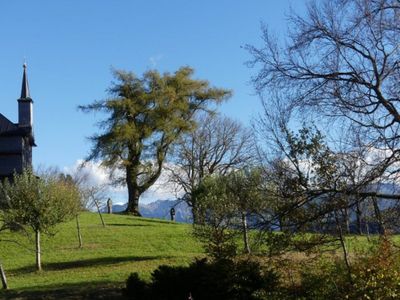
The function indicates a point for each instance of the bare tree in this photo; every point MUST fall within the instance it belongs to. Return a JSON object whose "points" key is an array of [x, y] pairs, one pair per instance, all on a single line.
{"points": [[339, 67], [217, 146], [96, 195], [92, 194], [340, 63]]}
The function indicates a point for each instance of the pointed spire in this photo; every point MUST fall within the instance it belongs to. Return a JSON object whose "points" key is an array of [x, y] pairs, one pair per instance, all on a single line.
{"points": [[25, 86]]}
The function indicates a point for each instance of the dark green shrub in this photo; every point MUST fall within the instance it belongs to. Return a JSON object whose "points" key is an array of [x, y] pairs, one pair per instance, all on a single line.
{"points": [[222, 279], [136, 288], [171, 283], [251, 281], [323, 279]]}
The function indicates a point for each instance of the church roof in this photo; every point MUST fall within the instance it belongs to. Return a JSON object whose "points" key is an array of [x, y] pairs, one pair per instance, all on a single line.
{"points": [[6, 126]]}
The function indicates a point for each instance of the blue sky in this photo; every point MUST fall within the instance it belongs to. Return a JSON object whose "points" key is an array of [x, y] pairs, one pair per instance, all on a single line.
{"points": [[71, 45]]}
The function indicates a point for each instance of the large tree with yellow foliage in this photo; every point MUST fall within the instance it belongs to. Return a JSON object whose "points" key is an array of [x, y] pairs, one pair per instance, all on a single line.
{"points": [[145, 117]]}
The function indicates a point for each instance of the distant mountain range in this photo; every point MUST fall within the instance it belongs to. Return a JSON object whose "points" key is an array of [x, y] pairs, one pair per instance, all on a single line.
{"points": [[160, 209]]}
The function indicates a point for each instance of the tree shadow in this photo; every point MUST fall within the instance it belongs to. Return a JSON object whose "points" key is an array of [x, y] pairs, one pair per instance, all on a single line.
{"points": [[149, 219], [82, 290], [159, 221], [121, 224], [85, 263]]}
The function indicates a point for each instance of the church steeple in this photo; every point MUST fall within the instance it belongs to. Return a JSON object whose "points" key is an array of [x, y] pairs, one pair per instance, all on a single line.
{"points": [[25, 104], [25, 86]]}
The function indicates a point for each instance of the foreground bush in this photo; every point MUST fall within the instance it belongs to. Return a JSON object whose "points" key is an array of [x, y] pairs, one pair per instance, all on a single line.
{"points": [[223, 279], [374, 276], [378, 275]]}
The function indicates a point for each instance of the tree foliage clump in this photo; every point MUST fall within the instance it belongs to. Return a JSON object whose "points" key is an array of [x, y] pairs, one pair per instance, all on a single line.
{"points": [[216, 218], [224, 205], [38, 204], [145, 117]]}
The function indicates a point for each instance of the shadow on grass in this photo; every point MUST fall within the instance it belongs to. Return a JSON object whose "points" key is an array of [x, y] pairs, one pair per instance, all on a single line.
{"points": [[85, 263], [131, 218], [82, 290], [128, 225], [159, 221]]}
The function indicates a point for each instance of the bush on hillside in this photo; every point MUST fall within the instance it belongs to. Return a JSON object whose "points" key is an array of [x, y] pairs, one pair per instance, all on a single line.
{"points": [[377, 276], [222, 279], [323, 279], [373, 276], [136, 288]]}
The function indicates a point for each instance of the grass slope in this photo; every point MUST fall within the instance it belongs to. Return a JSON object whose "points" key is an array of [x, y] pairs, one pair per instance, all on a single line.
{"points": [[108, 256]]}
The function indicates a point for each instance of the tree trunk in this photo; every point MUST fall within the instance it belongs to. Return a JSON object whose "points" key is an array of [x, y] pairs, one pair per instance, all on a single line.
{"points": [[367, 229], [378, 215], [38, 251], [3, 278], [99, 212], [343, 245], [280, 220], [133, 194], [346, 220], [133, 205], [195, 213], [245, 233], [359, 218], [78, 227]]}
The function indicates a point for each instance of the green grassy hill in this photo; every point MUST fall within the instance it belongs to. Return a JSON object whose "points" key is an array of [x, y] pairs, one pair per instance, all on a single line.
{"points": [[99, 269]]}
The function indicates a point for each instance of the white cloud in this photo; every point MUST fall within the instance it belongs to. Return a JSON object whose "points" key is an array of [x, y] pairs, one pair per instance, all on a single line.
{"points": [[98, 176], [163, 189]]}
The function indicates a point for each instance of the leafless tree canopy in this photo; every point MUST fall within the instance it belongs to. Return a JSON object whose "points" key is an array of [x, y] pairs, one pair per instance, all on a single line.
{"points": [[341, 61], [217, 146]]}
